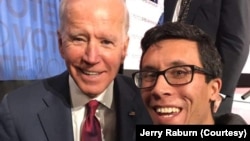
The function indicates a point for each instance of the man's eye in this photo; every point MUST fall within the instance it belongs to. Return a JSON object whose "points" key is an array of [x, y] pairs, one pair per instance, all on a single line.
{"points": [[179, 73], [78, 41], [106, 42], [149, 76]]}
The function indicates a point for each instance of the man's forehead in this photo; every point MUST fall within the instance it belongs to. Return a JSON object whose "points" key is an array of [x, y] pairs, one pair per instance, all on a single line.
{"points": [[172, 53]]}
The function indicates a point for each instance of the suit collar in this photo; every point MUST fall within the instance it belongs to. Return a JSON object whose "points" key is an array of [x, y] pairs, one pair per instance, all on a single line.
{"points": [[57, 122], [194, 6], [58, 105], [124, 97], [169, 7]]}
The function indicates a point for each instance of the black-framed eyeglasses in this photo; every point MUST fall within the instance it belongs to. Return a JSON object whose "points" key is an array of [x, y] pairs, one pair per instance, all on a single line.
{"points": [[177, 75]]}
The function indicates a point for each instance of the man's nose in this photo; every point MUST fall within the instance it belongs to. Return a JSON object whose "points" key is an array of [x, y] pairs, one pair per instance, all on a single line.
{"points": [[91, 53], [161, 87]]}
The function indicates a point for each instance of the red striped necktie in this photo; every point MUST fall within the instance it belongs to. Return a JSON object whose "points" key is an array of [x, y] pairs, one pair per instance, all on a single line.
{"points": [[91, 130]]}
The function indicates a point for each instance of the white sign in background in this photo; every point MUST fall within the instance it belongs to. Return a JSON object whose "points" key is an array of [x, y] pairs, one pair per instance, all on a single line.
{"points": [[144, 14]]}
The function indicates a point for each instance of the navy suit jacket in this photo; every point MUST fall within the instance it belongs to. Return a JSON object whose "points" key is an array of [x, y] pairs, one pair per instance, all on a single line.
{"points": [[42, 111], [228, 23]]}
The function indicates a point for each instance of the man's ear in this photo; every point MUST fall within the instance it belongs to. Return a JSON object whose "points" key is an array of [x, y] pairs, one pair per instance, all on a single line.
{"points": [[214, 92], [214, 88], [124, 50], [59, 40]]}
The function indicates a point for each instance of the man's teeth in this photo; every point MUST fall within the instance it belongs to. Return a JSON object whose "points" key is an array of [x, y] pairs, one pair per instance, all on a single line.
{"points": [[167, 110], [91, 73]]}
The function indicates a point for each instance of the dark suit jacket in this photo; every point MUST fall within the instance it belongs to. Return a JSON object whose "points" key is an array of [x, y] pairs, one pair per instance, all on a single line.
{"points": [[229, 119], [227, 22], [42, 111]]}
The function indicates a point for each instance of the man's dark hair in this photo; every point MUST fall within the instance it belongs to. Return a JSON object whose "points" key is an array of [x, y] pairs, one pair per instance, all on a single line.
{"points": [[208, 53]]}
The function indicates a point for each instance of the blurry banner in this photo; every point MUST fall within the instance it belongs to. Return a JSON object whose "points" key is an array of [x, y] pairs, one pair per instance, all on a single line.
{"points": [[144, 14], [28, 39]]}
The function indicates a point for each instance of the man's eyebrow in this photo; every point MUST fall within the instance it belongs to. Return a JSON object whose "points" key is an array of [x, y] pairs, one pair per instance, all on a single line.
{"points": [[172, 64], [178, 63], [77, 33], [106, 35], [148, 67]]}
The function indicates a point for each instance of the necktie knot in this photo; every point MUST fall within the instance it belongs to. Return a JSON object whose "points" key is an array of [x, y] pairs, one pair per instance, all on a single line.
{"points": [[91, 107]]}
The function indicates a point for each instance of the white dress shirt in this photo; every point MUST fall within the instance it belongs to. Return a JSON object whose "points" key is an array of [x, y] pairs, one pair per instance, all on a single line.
{"points": [[105, 112]]}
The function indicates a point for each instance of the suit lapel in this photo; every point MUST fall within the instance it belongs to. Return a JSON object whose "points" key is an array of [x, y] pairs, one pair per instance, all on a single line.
{"points": [[194, 6], [56, 122], [126, 120], [169, 7], [56, 119]]}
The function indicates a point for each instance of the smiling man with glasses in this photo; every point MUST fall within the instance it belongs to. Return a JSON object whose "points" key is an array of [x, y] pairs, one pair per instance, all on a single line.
{"points": [[180, 76]]}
